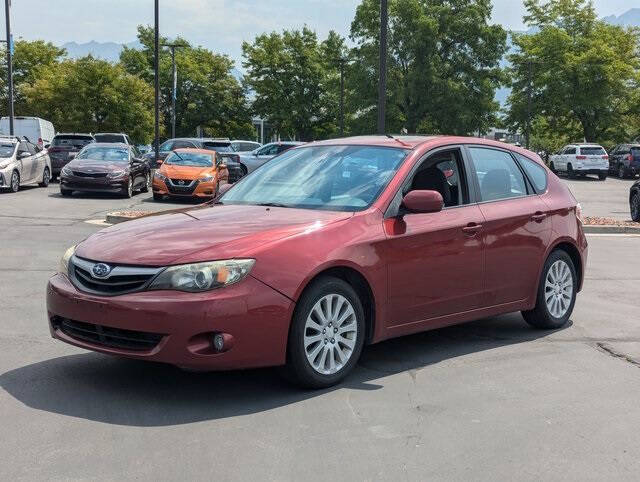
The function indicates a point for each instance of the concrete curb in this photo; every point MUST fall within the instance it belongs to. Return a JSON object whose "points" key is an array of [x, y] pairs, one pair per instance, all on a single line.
{"points": [[609, 229], [113, 218]]}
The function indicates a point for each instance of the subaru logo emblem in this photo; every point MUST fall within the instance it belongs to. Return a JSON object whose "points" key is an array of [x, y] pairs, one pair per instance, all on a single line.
{"points": [[101, 270]]}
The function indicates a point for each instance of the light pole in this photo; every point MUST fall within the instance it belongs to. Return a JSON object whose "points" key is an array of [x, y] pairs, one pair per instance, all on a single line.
{"points": [[156, 50], [7, 9], [173, 48], [527, 134], [382, 83]]}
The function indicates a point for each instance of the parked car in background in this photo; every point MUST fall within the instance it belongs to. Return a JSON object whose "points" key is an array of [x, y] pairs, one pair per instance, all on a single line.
{"points": [[22, 163], [113, 138], [251, 161], [106, 167], [195, 173], [581, 159], [245, 146], [624, 160], [221, 146], [144, 148], [36, 130], [335, 245], [64, 147], [634, 201]]}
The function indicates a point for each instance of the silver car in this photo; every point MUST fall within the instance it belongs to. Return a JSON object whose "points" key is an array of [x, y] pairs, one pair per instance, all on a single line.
{"points": [[21, 163], [250, 161]]}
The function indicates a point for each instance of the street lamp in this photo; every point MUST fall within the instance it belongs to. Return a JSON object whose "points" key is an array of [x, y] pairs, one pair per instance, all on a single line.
{"points": [[173, 48], [156, 52], [9, 41], [382, 83]]}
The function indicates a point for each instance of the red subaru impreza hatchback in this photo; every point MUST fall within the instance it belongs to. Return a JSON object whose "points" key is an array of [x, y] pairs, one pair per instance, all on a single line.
{"points": [[326, 248]]}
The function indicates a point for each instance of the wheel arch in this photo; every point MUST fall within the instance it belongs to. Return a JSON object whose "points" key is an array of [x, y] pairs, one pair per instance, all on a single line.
{"points": [[574, 253]]}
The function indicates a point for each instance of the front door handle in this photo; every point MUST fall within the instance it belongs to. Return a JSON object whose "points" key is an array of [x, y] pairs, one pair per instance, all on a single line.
{"points": [[538, 217], [472, 229]]}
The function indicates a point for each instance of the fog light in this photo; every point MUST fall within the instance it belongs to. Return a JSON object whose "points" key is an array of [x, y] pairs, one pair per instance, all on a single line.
{"points": [[218, 342]]}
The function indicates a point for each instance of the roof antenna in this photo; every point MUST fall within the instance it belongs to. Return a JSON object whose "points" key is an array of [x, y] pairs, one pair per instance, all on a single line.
{"points": [[398, 140]]}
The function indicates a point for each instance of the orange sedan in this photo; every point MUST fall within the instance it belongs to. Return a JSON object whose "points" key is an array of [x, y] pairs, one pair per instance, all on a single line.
{"points": [[190, 173]]}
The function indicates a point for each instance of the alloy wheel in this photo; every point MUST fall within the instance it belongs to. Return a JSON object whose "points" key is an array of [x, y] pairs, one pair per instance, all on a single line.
{"points": [[558, 289], [15, 181], [330, 334], [45, 177], [130, 188], [635, 208], [621, 172]]}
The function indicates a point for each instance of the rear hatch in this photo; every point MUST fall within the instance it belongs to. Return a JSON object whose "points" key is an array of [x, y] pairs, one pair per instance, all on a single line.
{"points": [[223, 148], [593, 157], [635, 157], [61, 146]]}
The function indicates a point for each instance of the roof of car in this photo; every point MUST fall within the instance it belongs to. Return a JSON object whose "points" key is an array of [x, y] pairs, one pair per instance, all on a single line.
{"points": [[72, 134], [194, 150], [109, 144], [109, 134]]}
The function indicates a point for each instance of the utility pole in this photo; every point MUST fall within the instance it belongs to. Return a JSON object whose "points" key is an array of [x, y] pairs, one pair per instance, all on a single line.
{"points": [[342, 61], [156, 142], [7, 9], [527, 134], [382, 83], [173, 48]]}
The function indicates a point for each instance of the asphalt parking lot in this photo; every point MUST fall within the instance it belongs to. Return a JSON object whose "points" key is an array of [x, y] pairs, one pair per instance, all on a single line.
{"points": [[489, 400], [609, 198]]}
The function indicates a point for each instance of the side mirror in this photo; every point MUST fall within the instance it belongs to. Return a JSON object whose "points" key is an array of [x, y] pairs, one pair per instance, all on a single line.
{"points": [[46, 146], [423, 201], [23, 155], [72, 155]]}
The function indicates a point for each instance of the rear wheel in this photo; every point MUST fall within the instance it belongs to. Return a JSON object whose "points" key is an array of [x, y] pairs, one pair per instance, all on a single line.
{"points": [[621, 172], [602, 175], [552, 167], [635, 207], [556, 293], [327, 334], [45, 178], [14, 185], [570, 172]]}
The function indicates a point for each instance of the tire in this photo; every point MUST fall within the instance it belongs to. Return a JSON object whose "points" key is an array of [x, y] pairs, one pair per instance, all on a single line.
{"points": [[635, 207], [14, 182], [128, 191], [66, 192], [622, 174], [147, 183], [556, 312], [158, 197], [552, 167], [45, 178], [317, 364], [570, 172], [602, 176]]}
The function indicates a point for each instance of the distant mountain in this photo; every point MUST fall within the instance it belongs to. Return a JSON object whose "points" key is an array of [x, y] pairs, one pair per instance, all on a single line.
{"points": [[102, 50], [630, 18]]}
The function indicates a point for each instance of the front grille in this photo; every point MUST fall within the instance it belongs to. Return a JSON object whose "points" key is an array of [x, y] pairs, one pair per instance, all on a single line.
{"points": [[174, 187], [120, 279], [89, 174], [107, 336]]}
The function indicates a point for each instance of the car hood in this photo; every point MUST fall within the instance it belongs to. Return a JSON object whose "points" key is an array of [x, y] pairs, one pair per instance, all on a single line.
{"points": [[204, 233], [85, 165], [185, 172]]}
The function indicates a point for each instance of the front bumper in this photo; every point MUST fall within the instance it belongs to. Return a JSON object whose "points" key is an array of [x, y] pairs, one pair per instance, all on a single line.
{"points": [[253, 317], [87, 184], [198, 190]]}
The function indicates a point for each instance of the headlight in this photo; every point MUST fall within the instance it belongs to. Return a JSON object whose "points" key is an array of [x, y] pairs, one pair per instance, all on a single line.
{"points": [[4, 164], [202, 276], [206, 178], [117, 174], [65, 171], [159, 176], [64, 261]]}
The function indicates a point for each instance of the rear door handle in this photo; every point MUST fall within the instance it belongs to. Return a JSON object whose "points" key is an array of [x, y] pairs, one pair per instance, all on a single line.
{"points": [[472, 229], [538, 217]]}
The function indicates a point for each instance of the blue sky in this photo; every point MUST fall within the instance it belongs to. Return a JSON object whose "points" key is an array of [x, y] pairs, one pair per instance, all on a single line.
{"points": [[220, 25]]}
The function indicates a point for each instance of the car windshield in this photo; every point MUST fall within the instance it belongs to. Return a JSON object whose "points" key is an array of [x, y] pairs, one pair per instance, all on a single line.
{"points": [[109, 138], [71, 141], [116, 154], [334, 178], [217, 146], [189, 159], [6, 150], [592, 151]]}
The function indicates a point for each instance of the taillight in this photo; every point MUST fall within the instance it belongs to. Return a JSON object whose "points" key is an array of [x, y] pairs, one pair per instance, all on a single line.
{"points": [[629, 157], [580, 158], [40, 143], [579, 212], [606, 156]]}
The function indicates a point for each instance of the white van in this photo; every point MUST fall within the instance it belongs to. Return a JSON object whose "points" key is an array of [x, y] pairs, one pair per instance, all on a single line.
{"points": [[38, 131]]}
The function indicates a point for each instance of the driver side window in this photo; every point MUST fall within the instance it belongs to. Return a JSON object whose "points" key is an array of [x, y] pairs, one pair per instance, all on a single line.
{"points": [[442, 172]]}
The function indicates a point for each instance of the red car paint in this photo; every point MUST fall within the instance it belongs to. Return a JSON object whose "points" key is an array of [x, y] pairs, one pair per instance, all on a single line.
{"points": [[424, 271]]}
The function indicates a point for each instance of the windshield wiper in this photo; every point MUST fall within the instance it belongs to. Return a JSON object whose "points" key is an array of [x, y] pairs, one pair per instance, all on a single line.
{"points": [[273, 205]]}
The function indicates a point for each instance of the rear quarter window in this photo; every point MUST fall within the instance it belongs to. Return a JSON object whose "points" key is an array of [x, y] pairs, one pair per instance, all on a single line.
{"points": [[535, 172]]}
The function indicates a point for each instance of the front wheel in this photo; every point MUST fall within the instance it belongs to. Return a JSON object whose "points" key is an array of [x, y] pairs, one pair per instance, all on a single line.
{"points": [[570, 172], [147, 183], [621, 172], [158, 197], [45, 178], [14, 185], [552, 167], [635, 207], [128, 191], [327, 334], [557, 291]]}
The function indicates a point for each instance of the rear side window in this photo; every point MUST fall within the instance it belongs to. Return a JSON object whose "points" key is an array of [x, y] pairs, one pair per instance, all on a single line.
{"points": [[592, 151], [537, 174], [283, 147], [570, 150], [498, 174]]}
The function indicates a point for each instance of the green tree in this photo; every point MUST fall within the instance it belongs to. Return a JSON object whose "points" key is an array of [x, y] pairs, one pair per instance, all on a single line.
{"points": [[91, 95], [28, 58], [575, 70], [208, 95], [443, 66], [295, 79]]}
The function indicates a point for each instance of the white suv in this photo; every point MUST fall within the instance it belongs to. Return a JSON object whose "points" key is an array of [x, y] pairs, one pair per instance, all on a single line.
{"points": [[581, 159]]}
